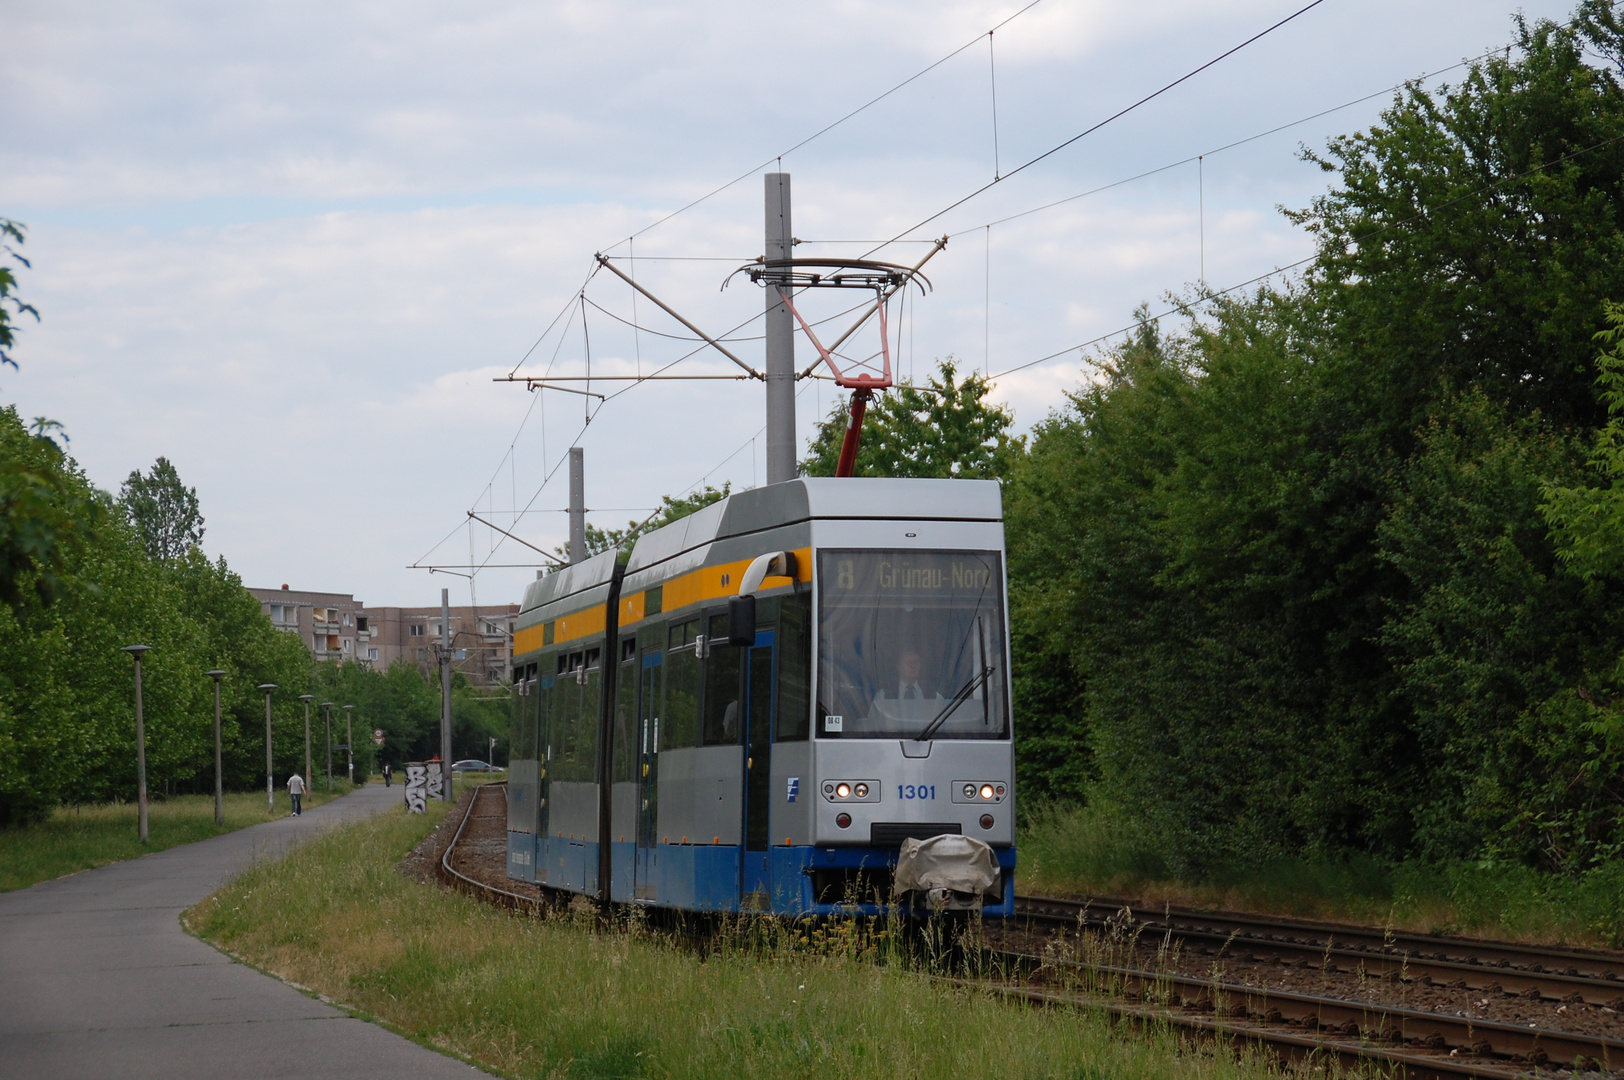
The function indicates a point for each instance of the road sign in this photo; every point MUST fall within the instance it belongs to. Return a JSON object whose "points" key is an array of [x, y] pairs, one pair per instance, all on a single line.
{"points": [[377, 736]]}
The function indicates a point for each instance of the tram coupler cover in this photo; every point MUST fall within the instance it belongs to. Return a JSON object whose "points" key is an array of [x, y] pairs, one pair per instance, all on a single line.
{"points": [[947, 873]]}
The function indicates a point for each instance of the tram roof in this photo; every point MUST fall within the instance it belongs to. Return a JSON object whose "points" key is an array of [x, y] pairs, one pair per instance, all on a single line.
{"points": [[762, 508]]}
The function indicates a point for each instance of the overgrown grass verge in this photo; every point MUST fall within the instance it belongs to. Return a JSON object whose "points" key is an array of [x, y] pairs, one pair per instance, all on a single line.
{"points": [[78, 838], [551, 997], [1095, 851]]}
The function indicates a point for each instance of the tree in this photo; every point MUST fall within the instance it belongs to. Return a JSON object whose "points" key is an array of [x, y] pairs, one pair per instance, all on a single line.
{"points": [[11, 305], [163, 511], [47, 513], [944, 429]]}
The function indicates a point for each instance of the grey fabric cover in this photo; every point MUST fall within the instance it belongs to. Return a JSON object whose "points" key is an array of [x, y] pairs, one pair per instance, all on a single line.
{"points": [[947, 873]]}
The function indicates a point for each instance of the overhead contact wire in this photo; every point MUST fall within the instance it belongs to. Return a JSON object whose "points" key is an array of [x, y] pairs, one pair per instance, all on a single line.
{"points": [[828, 127], [1356, 240], [1186, 77]]}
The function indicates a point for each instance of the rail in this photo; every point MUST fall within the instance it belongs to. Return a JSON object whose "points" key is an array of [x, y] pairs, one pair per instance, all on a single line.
{"points": [[456, 879]]}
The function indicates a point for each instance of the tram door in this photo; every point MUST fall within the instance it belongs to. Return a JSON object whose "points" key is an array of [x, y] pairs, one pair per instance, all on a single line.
{"points": [[648, 774], [759, 696]]}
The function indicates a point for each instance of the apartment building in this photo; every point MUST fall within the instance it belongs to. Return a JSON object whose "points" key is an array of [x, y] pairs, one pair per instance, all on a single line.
{"points": [[481, 639], [338, 627], [333, 626]]}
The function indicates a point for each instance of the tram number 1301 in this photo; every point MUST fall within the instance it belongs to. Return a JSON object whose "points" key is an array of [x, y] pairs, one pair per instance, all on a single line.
{"points": [[916, 791]]}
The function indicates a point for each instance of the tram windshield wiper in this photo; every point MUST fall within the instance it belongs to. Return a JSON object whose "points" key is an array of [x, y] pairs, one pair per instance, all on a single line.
{"points": [[953, 703]]}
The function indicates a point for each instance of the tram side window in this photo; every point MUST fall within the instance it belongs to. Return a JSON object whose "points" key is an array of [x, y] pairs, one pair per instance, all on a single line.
{"points": [[794, 669], [680, 712], [566, 721], [522, 739], [545, 695], [586, 725], [625, 745], [722, 679]]}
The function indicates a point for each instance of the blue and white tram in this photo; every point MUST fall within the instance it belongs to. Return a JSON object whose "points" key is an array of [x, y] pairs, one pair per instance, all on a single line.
{"points": [[790, 683]]}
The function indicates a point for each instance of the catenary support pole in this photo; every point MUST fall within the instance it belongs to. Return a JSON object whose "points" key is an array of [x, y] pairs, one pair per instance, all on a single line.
{"points": [[780, 331], [577, 504], [445, 694]]}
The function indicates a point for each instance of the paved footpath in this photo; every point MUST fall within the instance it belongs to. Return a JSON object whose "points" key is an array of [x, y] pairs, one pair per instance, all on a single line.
{"points": [[97, 978]]}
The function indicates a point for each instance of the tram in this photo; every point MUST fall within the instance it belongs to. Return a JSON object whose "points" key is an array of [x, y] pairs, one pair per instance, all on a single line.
{"points": [[758, 707]]}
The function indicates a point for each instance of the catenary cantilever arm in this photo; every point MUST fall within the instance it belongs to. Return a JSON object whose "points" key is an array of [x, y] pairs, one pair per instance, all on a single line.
{"points": [[510, 536], [603, 261]]}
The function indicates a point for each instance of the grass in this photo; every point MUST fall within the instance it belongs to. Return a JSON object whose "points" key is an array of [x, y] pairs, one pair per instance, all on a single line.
{"points": [[1093, 851], [552, 997], [78, 838]]}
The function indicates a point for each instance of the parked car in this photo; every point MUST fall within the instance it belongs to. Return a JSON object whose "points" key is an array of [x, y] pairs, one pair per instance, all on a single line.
{"points": [[470, 765]]}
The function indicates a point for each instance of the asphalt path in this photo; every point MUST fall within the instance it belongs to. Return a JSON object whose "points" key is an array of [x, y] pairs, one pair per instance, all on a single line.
{"points": [[97, 978]]}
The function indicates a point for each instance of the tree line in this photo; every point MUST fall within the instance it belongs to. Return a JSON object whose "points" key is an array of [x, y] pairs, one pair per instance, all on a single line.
{"points": [[84, 572], [1336, 565]]}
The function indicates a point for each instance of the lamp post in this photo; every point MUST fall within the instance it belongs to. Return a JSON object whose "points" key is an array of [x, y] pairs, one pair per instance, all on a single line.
{"points": [[349, 741], [219, 792], [270, 769], [309, 779], [140, 744], [327, 711]]}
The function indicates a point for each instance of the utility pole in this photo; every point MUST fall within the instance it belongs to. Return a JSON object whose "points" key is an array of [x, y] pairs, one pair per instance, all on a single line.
{"points": [[310, 770], [136, 652], [578, 504], [445, 694], [270, 769], [780, 366], [219, 790]]}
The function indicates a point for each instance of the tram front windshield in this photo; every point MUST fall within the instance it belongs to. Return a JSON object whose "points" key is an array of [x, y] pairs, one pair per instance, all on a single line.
{"points": [[911, 644]]}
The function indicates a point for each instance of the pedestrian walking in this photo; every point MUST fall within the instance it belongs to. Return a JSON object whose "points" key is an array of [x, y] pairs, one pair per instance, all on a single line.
{"points": [[296, 789], [387, 775]]}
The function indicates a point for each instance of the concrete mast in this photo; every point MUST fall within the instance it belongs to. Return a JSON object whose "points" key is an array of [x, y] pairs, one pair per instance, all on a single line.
{"points": [[780, 365], [577, 504]]}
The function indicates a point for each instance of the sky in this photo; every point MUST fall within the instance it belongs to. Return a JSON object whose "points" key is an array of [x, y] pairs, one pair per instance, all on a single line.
{"points": [[290, 246]]}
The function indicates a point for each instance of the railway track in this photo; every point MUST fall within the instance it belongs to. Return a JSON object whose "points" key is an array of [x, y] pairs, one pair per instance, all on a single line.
{"points": [[1418, 1041], [1408, 1041], [1541, 973]]}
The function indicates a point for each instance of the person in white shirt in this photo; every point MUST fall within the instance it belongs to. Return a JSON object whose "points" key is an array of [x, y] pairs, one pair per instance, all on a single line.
{"points": [[909, 668], [296, 788]]}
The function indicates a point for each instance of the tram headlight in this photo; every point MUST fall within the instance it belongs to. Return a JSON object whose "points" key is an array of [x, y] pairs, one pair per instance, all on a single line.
{"points": [[860, 790], [842, 791], [969, 791], [986, 791]]}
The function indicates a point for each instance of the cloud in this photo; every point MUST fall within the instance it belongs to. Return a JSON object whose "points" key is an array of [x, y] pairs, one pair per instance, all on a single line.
{"points": [[287, 245]]}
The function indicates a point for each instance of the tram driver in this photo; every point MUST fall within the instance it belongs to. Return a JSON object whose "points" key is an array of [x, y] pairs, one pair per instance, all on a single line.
{"points": [[909, 696]]}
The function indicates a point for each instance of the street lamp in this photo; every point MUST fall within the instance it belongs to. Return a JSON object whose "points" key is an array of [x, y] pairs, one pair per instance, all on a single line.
{"points": [[140, 744], [219, 794], [349, 741], [309, 779], [327, 711], [270, 769]]}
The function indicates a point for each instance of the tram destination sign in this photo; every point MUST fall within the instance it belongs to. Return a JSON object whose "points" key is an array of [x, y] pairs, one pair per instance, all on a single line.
{"points": [[914, 572]]}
